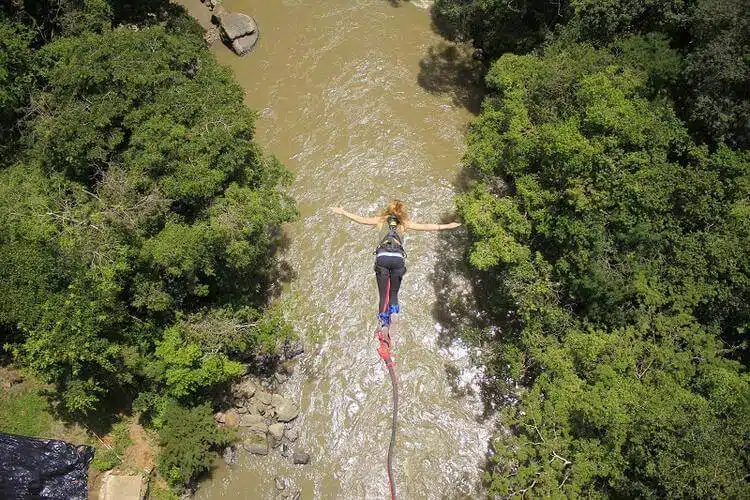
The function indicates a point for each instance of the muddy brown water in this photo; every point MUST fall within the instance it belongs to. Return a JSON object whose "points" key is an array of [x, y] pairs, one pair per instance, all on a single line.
{"points": [[364, 102]]}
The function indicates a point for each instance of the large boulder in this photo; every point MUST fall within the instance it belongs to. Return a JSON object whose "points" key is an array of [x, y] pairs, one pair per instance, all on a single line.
{"points": [[264, 397], [234, 25], [277, 431], [245, 389], [248, 420], [244, 44], [231, 418], [286, 409], [256, 444], [239, 30]]}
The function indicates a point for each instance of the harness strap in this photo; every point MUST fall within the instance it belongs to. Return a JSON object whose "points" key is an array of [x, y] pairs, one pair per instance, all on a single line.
{"points": [[389, 254]]}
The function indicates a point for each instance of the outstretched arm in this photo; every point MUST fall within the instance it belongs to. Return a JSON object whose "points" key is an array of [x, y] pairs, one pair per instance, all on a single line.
{"points": [[415, 226], [370, 221]]}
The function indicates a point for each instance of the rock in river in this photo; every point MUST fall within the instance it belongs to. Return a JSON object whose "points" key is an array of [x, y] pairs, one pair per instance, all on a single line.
{"points": [[235, 25], [257, 444], [301, 458], [248, 420], [277, 431], [230, 455], [240, 30], [286, 409]]}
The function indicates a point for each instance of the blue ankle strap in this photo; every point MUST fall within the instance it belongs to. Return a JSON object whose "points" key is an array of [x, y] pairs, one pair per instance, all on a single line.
{"points": [[385, 319], [394, 309]]}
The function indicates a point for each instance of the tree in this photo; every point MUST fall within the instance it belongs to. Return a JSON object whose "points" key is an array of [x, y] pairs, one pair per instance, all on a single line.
{"points": [[188, 439], [139, 202], [16, 79], [497, 26], [608, 232]]}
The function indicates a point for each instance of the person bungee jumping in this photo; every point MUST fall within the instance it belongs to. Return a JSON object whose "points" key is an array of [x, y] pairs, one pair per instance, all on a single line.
{"points": [[390, 256]]}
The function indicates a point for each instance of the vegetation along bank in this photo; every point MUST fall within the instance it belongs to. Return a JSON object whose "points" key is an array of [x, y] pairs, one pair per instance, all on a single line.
{"points": [[609, 226], [138, 221]]}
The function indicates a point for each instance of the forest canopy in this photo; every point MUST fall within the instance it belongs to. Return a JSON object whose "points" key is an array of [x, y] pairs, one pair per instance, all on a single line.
{"points": [[139, 218], [610, 230]]}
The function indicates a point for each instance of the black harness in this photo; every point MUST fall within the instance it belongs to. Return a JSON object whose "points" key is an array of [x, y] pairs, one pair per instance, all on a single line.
{"points": [[391, 242]]}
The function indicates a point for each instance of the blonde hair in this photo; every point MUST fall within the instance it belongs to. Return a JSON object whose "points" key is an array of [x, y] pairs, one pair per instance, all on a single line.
{"points": [[396, 208]]}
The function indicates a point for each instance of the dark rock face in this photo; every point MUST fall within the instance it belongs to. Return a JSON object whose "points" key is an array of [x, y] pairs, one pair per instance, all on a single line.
{"points": [[293, 349], [301, 458]]}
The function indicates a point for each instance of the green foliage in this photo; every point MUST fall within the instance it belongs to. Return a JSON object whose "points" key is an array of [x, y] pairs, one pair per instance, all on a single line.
{"points": [[141, 215], [694, 51], [717, 71], [187, 439], [157, 493], [498, 26], [109, 457], [622, 266], [138, 222], [16, 79], [604, 20], [188, 369], [24, 412]]}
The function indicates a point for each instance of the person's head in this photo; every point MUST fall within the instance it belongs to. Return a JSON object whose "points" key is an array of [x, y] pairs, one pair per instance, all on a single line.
{"points": [[396, 208]]}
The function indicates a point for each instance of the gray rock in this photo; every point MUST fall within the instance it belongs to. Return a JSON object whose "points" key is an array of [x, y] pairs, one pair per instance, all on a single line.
{"points": [[301, 458], [235, 25], [252, 408], [286, 409], [286, 450], [248, 420], [280, 483], [280, 378], [263, 397], [246, 388], [230, 455], [272, 442], [291, 434], [241, 410], [245, 44], [277, 431], [231, 418], [216, 14], [259, 428], [293, 349], [219, 417], [256, 444]]}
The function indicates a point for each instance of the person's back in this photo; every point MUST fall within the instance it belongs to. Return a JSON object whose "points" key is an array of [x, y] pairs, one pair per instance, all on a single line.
{"points": [[390, 256]]}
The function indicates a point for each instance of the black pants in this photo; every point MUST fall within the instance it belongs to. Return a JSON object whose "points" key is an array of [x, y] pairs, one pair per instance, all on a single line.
{"points": [[391, 268]]}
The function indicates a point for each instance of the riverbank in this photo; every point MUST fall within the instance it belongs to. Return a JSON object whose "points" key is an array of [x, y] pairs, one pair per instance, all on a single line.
{"points": [[122, 446]]}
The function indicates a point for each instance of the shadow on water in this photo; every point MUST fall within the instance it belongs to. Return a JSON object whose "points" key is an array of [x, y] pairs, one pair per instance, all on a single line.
{"points": [[396, 3], [466, 298], [451, 69]]}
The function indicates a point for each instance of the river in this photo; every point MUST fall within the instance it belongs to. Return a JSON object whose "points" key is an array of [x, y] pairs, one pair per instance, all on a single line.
{"points": [[364, 102]]}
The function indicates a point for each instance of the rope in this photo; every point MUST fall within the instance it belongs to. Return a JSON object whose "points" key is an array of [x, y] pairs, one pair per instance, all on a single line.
{"points": [[394, 385], [384, 351]]}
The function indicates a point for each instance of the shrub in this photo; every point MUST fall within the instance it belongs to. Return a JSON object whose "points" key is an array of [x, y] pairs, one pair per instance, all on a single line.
{"points": [[187, 438]]}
